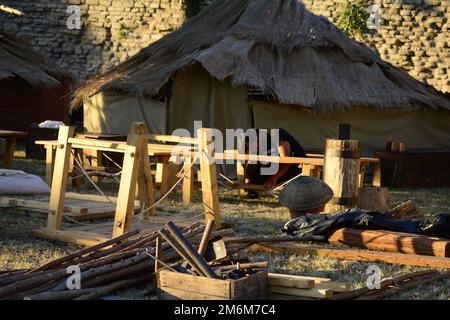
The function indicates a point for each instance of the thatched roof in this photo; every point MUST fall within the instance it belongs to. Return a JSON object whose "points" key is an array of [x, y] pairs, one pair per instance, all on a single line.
{"points": [[276, 46], [19, 61]]}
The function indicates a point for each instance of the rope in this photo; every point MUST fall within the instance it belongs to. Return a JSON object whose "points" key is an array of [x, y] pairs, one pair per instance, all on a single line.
{"points": [[80, 166], [173, 187], [109, 158], [159, 260]]}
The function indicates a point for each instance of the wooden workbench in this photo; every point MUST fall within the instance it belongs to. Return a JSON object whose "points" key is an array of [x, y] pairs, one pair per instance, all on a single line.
{"points": [[11, 139]]}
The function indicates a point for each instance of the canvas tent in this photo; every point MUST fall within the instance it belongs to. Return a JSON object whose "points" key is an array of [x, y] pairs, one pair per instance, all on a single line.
{"points": [[267, 63], [32, 90]]}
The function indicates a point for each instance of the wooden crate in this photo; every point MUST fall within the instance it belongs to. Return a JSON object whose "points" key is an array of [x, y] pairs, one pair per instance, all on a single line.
{"points": [[181, 286]]}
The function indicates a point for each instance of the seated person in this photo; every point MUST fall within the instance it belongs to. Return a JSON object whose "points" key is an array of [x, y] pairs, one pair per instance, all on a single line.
{"points": [[287, 146]]}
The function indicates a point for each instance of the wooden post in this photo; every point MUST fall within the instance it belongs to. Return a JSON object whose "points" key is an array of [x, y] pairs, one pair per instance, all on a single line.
{"points": [[145, 181], [376, 182], [341, 173], [49, 163], [59, 180], [240, 170], [374, 199], [128, 181], [188, 181], [162, 175], [209, 176], [9, 151]]}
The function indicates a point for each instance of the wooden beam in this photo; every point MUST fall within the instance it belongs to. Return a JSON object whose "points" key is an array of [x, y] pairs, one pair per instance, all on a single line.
{"points": [[49, 161], [9, 151], [209, 176], [60, 176], [175, 139], [76, 237], [391, 241], [307, 293], [162, 175], [357, 255], [128, 181]]}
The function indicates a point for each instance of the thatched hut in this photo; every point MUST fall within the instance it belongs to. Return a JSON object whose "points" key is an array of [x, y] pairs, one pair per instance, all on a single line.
{"points": [[267, 63], [31, 89]]}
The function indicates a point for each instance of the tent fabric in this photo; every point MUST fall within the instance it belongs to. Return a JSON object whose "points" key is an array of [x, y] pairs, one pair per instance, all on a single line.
{"points": [[417, 128], [199, 97], [106, 113]]}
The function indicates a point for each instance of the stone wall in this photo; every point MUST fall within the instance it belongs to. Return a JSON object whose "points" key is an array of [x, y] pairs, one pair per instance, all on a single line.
{"points": [[111, 31], [414, 34]]}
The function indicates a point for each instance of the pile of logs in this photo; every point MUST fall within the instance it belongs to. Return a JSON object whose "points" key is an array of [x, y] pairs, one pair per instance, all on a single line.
{"points": [[105, 268], [290, 287]]}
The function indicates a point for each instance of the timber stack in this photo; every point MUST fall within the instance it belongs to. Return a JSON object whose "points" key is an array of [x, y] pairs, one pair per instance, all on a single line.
{"points": [[119, 263]]}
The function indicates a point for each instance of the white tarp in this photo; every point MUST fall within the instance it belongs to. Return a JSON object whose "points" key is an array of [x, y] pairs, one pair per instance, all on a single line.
{"points": [[19, 182]]}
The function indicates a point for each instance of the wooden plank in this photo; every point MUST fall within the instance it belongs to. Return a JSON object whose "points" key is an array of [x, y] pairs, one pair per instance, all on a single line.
{"points": [[128, 181], [334, 286], [356, 255], [42, 205], [60, 176], [70, 236], [176, 139], [93, 197], [308, 293], [166, 293], [209, 176], [253, 287], [291, 283], [274, 159], [391, 241], [195, 284], [283, 297]]}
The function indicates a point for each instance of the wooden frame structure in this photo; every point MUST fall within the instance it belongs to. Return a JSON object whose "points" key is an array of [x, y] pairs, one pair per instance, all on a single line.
{"points": [[135, 180], [11, 139]]}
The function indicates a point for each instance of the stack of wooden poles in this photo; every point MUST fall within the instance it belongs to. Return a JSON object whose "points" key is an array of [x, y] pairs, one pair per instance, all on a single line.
{"points": [[105, 268]]}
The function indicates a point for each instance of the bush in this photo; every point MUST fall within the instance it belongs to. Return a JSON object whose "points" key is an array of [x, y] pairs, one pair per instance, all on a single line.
{"points": [[353, 19]]}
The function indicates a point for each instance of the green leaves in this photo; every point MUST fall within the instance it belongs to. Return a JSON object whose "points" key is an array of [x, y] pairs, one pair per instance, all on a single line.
{"points": [[192, 7], [353, 19]]}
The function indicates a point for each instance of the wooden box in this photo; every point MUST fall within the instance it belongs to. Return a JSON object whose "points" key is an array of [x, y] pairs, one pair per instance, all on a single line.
{"points": [[181, 286]]}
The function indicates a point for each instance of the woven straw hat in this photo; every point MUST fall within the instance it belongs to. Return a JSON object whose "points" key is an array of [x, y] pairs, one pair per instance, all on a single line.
{"points": [[305, 193]]}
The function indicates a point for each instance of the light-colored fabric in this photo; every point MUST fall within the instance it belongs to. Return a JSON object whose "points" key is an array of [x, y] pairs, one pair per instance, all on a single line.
{"points": [[199, 97], [115, 113], [417, 128], [19, 182]]}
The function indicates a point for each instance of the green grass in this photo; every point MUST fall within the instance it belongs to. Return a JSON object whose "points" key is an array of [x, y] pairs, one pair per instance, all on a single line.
{"points": [[249, 217]]}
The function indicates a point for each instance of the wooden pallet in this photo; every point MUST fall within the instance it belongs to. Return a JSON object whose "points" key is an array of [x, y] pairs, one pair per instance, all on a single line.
{"points": [[95, 233]]}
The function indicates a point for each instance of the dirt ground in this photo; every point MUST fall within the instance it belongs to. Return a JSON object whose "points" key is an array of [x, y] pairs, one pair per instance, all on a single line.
{"points": [[19, 250]]}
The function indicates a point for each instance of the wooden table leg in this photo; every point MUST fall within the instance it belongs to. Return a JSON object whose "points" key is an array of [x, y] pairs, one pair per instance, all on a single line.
{"points": [[188, 182], [50, 152], [9, 151], [376, 182], [162, 175], [362, 174], [240, 170]]}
